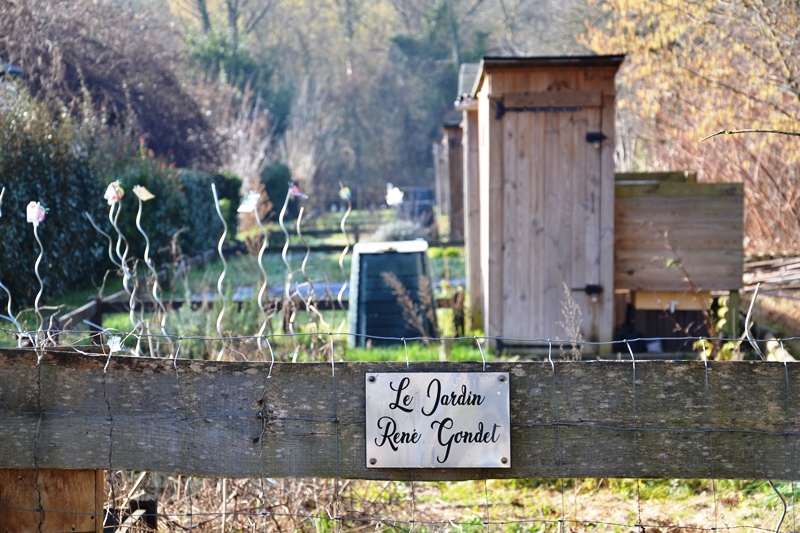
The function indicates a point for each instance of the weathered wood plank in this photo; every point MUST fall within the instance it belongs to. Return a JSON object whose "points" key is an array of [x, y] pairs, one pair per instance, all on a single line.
{"points": [[670, 188], [484, 113], [493, 221], [514, 238], [472, 214], [562, 98], [641, 276], [455, 164], [605, 307], [675, 419]]}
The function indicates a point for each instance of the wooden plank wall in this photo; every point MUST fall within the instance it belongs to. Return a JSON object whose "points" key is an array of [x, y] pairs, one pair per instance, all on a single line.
{"points": [[668, 218], [491, 165], [72, 500], [663, 419], [441, 172]]}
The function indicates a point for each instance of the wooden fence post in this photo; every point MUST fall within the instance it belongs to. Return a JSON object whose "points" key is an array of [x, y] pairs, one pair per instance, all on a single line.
{"points": [[72, 500]]}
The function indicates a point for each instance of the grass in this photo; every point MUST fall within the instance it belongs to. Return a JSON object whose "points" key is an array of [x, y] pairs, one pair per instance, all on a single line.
{"points": [[242, 270], [197, 326]]}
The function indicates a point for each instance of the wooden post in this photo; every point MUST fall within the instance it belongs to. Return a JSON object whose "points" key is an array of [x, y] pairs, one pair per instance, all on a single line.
{"points": [[472, 213], [72, 500], [455, 167]]}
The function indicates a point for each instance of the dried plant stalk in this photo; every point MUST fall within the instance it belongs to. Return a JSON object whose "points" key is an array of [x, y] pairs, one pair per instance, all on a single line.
{"points": [[570, 323], [414, 316]]}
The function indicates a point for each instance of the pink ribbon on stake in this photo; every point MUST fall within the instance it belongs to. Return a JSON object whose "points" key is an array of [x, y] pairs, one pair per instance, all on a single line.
{"points": [[114, 193], [35, 213], [294, 190]]}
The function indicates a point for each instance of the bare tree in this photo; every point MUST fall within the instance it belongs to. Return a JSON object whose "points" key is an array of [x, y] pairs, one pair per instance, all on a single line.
{"points": [[245, 127], [119, 61], [311, 135]]}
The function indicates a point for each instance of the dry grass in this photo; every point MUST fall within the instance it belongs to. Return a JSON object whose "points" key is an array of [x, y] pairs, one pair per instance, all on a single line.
{"points": [[780, 312], [665, 506]]}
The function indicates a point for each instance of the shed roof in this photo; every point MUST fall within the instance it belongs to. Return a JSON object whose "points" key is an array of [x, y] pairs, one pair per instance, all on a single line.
{"points": [[499, 62]]}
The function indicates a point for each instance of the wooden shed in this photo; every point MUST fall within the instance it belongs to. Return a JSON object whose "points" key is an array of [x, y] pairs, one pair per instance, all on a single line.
{"points": [[468, 72], [546, 196], [449, 177]]}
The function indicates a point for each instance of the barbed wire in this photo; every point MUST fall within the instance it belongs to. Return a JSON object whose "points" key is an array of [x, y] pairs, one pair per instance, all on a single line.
{"points": [[524, 343]]}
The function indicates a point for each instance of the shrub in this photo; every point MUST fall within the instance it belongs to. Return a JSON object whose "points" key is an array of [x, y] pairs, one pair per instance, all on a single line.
{"points": [[161, 217], [47, 161], [275, 178], [60, 164], [203, 226], [401, 230], [183, 200]]}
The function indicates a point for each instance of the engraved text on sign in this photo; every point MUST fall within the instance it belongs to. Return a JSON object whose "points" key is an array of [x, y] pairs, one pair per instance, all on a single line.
{"points": [[438, 420]]}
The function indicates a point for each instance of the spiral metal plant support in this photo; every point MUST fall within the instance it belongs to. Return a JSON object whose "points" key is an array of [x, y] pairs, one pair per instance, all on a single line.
{"points": [[262, 293], [39, 318], [285, 250], [142, 195], [35, 214], [250, 205], [113, 217], [342, 256], [285, 256], [224, 267], [310, 300], [10, 316], [304, 262], [136, 325], [106, 235]]}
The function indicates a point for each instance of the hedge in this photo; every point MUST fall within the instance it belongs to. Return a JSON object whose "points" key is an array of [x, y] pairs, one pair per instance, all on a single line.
{"points": [[55, 162]]}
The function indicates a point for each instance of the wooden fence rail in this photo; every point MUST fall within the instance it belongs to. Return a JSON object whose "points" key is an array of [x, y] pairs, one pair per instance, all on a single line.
{"points": [[663, 419]]}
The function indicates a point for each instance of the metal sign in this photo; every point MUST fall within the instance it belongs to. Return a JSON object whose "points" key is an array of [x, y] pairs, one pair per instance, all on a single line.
{"points": [[438, 420]]}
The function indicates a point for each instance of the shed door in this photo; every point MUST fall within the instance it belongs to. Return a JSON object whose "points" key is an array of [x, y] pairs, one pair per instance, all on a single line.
{"points": [[551, 234]]}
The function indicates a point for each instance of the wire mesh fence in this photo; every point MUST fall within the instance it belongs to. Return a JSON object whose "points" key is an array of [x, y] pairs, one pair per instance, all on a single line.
{"points": [[244, 410], [270, 437]]}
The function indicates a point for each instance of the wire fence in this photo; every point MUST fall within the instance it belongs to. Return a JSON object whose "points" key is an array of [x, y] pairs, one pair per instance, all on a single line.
{"points": [[252, 417], [297, 433]]}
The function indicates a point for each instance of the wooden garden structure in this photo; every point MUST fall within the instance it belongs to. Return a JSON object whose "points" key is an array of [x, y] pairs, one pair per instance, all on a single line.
{"points": [[543, 215], [548, 221], [546, 193]]}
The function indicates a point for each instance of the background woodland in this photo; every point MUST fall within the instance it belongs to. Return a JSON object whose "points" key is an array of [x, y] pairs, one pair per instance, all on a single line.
{"points": [[355, 91]]}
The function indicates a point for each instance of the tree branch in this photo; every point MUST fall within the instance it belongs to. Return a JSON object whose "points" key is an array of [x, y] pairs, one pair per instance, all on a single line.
{"points": [[757, 130]]}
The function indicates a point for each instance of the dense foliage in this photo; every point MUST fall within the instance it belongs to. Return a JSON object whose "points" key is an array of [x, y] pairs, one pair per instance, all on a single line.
{"points": [[46, 161], [117, 59], [65, 165], [183, 209]]}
